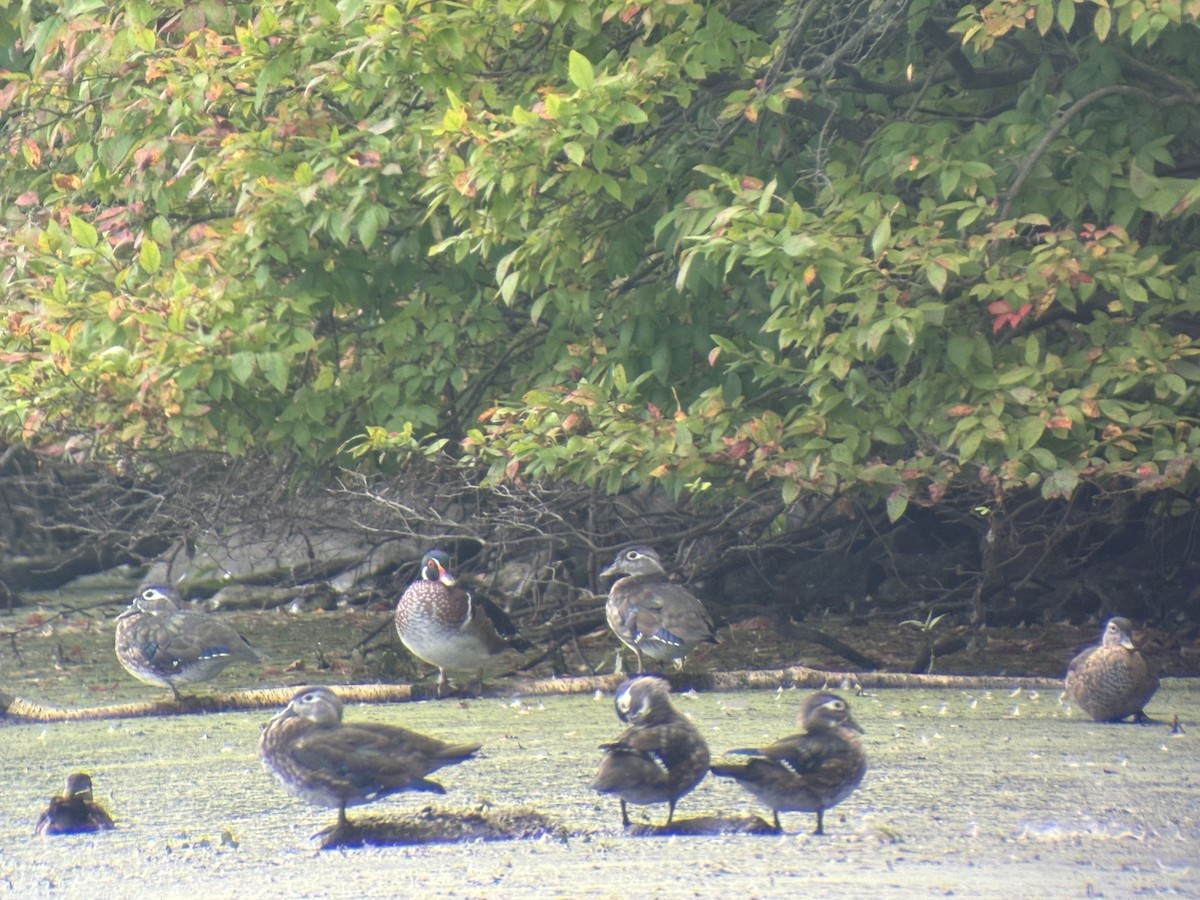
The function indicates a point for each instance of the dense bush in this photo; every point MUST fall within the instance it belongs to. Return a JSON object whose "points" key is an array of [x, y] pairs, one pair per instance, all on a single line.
{"points": [[895, 248]]}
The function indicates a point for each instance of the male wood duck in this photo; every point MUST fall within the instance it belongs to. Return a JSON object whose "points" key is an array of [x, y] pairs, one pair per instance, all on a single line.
{"points": [[808, 772], [1111, 681], [159, 643], [327, 763], [74, 811], [441, 623], [651, 614], [659, 758]]}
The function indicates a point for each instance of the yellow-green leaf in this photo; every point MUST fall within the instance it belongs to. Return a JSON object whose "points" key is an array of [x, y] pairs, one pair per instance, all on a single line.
{"points": [[84, 233], [149, 257], [882, 237], [937, 276], [1044, 17], [1066, 14], [574, 151], [579, 68]]}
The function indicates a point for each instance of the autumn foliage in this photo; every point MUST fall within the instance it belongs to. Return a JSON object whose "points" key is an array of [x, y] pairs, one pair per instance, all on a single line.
{"points": [[897, 249]]}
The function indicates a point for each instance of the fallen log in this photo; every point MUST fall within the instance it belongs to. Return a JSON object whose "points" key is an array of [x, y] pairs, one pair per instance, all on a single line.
{"points": [[16, 710]]}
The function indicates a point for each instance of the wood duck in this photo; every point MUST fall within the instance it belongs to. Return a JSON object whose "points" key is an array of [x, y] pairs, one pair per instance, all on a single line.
{"points": [[74, 811], [659, 758], [1111, 681], [441, 623], [330, 764], [159, 643], [808, 772], [651, 614]]}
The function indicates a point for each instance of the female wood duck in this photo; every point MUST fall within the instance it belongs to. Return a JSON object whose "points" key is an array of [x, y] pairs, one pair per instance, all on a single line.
{"points": [[74, 811], [659, 758], [1111, 681], [330, 764], [159, 643], [441, 623], [651, 614], [808, 772]]}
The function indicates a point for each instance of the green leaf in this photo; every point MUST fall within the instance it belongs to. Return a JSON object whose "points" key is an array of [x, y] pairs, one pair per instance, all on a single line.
{"points": [[897, 503], [508, 287], [937, 276], [83, 232], [948, 180], [1115, 410], [149, 257], [574, 152], [1045, 459], [1141, 182], [274, 369], [969, 446], [1060, 484], [1044, 15], [241, 367], [959, 349], [579, 68], [1031, 429], [881, 238], [1033, 350], [367, 227], [1066, 14]]}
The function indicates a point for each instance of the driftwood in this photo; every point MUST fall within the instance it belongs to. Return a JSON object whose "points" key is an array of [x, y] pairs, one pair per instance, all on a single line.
{"points": [[14, 710]]}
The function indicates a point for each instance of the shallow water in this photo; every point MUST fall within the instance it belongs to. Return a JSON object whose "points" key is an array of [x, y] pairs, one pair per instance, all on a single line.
{"points": [[967, 793], [979, 794]]}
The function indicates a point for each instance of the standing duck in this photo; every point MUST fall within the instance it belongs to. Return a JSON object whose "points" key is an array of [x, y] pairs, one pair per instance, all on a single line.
{"points": [[441, 623], [659, 758], [161, 644], [808, 772], [327, 763], [1111, 681], [651, 614]]}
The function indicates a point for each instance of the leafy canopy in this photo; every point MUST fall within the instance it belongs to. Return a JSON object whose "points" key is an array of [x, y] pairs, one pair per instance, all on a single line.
{"points": [[892, 247]]}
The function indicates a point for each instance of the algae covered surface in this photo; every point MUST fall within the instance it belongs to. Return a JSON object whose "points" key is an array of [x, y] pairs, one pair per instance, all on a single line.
{"points": [[968, 793]]}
